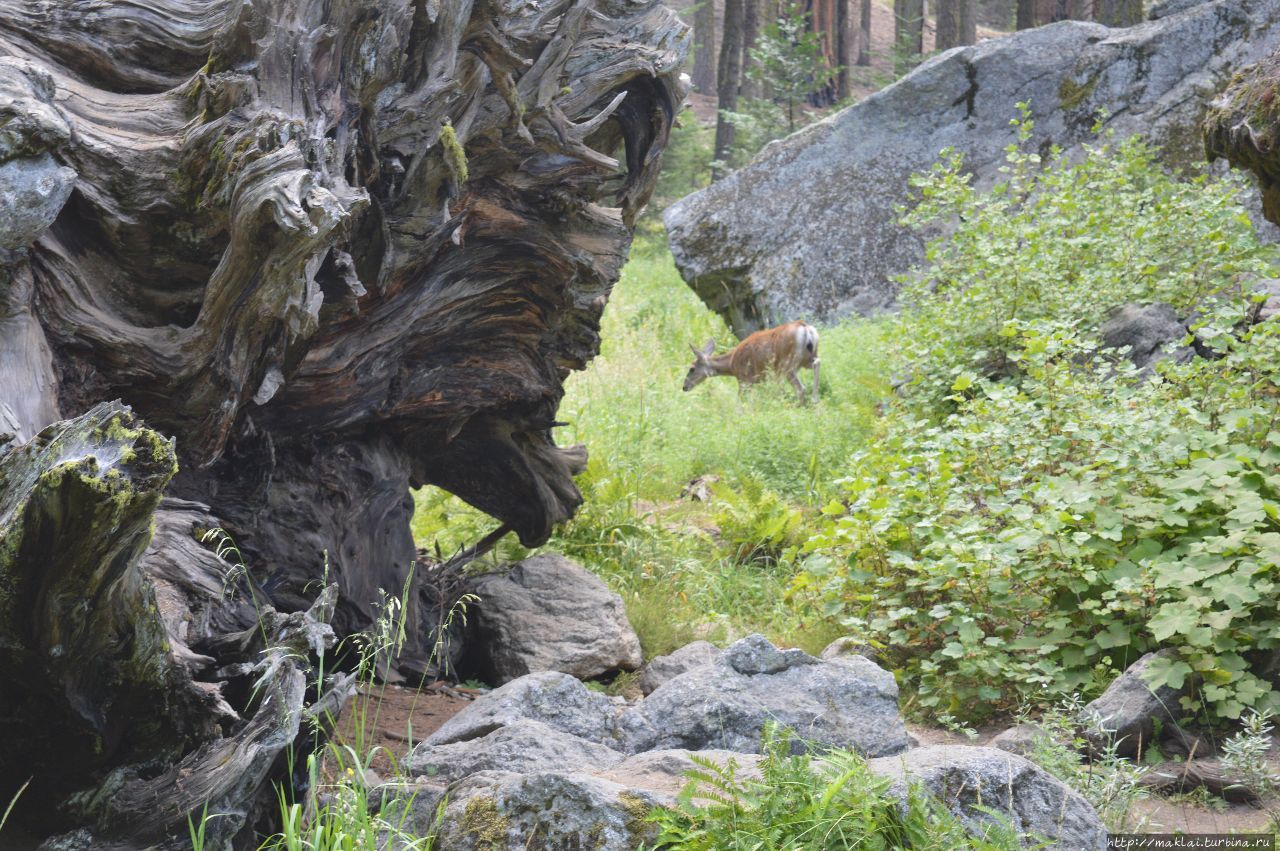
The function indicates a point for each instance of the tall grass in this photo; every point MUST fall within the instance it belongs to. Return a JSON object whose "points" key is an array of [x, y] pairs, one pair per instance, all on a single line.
{"points": [[714, 569]]}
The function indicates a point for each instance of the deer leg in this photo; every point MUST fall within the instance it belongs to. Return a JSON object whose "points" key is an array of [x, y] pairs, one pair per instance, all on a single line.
{"points": [[816, 361], [795, 382]]}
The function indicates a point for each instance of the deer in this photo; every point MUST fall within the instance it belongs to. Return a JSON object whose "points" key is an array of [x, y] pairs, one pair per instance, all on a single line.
{"points": [[781, 350]]}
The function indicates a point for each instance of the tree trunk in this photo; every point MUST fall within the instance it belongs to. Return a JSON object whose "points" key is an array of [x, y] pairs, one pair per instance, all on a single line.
{"points": [[730, 77], [908, 17], [704, 51], [1026, 14], [1119, 13], [751, 11], [324, 251], [864, 35], [846, 48], [956, 23]]}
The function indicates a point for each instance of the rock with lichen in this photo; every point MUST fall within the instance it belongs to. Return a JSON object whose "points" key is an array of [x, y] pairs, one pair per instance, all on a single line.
{"points": [[1243, 126], [810, 227]]}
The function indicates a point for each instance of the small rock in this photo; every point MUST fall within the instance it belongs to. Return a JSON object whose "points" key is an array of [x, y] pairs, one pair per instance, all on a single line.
{"points": [[557, 700], [664, 772], [699, 489], [663, 668], [549, 614], [843, 648], [523, 745], [1022, 739], [498, 810], [969, 780], [851, 704], [1151, 332], [1125, 713]]}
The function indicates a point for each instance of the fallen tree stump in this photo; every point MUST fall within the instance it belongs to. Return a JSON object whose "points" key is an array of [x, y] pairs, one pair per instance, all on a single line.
{"points": [[321, 252]]}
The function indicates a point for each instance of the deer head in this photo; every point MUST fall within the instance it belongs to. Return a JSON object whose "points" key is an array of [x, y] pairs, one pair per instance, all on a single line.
{"points": [[702, 368]]}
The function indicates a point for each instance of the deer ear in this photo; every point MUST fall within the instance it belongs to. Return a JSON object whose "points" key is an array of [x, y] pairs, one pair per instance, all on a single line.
{"points": [[696, 353], [709, 348]]}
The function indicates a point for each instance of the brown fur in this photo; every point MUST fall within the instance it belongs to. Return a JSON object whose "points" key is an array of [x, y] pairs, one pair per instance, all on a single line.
{"points": [[781, 350]]}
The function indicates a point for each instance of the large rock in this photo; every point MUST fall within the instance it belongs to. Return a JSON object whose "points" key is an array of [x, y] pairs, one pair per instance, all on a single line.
{"points": [[549, 614], [523, 745], [850, 704], [1150, 332], [809, 228], [557, 700], [498, 810], [1125, 714], [663, 668], [971, 780], [32, 193]]}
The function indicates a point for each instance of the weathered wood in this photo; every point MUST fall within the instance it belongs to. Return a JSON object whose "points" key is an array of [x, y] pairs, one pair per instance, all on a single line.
{"points": [[1195, 773], [329, 250]]}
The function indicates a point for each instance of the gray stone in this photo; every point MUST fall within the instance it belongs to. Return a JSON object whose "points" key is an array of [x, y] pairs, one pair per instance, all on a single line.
{"points": [[495, 810], [33, 191], [549, 614], [1125, 714], [664, 772], [557, 700], [663, 668], [844, 648], [1021, 740], [850, 704], [1149, 332], [809, 228], [969, 780], [523, 745]]}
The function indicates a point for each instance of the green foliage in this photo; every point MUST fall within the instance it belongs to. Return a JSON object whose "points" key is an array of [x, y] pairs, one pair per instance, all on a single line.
{"points": [[1059, 241], [1246, 754], [789, 65], [686, 164], [1034, 516], [799, 803], [1048, 532]]}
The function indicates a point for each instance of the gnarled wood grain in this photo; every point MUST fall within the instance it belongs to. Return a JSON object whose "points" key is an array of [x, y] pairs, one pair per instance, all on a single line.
{"points": [[333, 249]]}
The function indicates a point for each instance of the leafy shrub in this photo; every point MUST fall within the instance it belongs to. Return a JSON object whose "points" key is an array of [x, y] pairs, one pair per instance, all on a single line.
{"points": [[1033, 516], [1060, 241], [829, 805], [1048, 532]]}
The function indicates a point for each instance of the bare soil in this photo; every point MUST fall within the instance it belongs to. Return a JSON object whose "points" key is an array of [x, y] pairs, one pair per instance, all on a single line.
{"points": [[392, 719]]}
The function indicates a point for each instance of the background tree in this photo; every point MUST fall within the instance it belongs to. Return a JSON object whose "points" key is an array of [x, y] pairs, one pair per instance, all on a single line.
{"points": [[790, 61], [908, 34], [1119, 13], [864, 35], [956, 23], [730, 78], [704, 51]]}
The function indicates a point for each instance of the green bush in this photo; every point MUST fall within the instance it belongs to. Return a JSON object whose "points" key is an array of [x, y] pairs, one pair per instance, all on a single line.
{"points": [[1033, 516], [832, 804], [1048, 532], [1062, 241]]}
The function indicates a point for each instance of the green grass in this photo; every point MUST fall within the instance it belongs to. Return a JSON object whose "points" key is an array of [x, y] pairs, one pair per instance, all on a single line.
{"points": [[689, 569]]}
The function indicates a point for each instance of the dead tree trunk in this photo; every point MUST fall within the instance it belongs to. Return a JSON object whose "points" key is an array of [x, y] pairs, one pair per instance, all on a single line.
{"points": [[326, 250]]}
